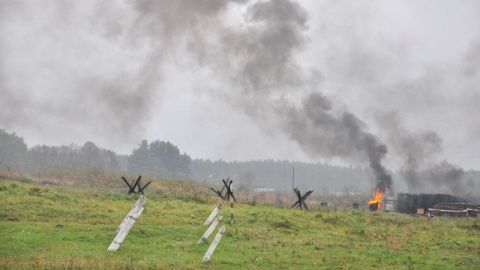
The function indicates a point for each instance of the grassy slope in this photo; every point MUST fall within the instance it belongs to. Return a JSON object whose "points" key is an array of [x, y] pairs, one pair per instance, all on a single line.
{"points": [[55, 228]]}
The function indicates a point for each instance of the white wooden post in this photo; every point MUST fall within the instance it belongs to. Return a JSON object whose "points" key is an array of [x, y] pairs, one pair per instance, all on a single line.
{"points": [[127, 224], [214, 244], [135, 208], [213, 215], [210, 229]]}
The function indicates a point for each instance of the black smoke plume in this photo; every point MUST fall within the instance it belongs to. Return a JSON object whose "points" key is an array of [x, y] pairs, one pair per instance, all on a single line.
{"points": [[255, 60]]}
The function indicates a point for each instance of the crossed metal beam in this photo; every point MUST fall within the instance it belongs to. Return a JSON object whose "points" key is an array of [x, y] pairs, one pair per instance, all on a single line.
{"points": [[300, 203], [227, 187], [136, 184]]}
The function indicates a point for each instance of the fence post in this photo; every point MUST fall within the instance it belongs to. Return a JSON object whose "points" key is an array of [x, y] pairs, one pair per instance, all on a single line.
{"points": [[127, 224], [210, 229], [214, 244], [213, 215]]}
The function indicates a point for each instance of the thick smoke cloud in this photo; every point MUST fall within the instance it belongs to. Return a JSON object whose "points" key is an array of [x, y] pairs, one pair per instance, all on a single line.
{"points": [[444, 178], [105, 62], [321, 131], [256, 60], [264, 52], [62, 74], [415, 151], [267, 69], [394, 81], [421, 169], [107, 65]]}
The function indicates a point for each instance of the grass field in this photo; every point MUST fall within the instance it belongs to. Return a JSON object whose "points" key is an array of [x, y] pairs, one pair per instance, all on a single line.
{"points": [[63, 228]]}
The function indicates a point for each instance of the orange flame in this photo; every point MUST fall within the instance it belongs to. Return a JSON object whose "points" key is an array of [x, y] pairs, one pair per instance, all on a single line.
{"points": [[377, 199]]}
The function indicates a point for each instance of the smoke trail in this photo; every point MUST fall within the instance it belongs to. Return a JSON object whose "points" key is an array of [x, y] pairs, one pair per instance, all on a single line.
{"points": [[419, 155], [265, 68], [415, 150], [254, 59], [446, 178], [92, 66], [322, 132], [257, 62]]}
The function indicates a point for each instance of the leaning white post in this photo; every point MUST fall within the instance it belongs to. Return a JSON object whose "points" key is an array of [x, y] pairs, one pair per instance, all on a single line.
{"points": [[135, 208], [214, 244], [210, 229], [127, 224], [213, 215]]}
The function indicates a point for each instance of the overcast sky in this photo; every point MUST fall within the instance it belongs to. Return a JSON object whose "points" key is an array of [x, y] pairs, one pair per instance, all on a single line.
{"points": [[116, 72]]}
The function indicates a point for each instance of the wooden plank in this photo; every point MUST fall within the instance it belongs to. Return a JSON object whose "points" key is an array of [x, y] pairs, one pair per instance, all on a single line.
{"points": [[135, 209], [214, 244], [127, 224], [213, 215], [210, 229], [122, 234]]}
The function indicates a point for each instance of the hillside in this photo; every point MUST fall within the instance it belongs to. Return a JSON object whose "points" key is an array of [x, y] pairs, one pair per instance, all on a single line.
{"points": [[58, 227]]}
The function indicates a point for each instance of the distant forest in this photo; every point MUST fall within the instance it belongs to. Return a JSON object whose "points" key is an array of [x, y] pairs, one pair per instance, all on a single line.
{"points": [[163, 160]]}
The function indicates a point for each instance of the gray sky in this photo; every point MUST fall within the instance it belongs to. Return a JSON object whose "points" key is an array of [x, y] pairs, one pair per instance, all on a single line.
{"points": [[115, 72]]}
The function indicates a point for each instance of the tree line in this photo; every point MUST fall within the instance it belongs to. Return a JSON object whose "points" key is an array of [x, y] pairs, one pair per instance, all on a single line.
{"points": [[163, 160], [156, 159]]}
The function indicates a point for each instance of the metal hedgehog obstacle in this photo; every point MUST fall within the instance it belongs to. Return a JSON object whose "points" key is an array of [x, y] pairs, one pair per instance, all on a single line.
{"points": [[135, 184], [300, 203], [227, 187]]}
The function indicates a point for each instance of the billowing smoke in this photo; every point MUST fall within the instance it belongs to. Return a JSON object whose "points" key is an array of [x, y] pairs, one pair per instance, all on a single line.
{"points": [[263, 53], [264, 71], [322, 132], [444, 178], [104, 65], [62, 74], [421, 167], [107, 65], [415, 151], [255, 61]]}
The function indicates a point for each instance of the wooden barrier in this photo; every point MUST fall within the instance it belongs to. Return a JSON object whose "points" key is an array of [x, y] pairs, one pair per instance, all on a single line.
{"points": [[216, 217], [214, 244], [213, 215], [127, 224], [210, 229]]}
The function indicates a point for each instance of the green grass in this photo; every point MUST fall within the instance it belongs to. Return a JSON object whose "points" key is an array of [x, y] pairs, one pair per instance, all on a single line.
{"points": [[55, 227]]}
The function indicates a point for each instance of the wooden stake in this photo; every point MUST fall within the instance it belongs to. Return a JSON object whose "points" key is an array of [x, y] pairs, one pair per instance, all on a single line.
{"points": [[214, 244], [210, 229], [127, 224], [213, 215], [135, 209]]}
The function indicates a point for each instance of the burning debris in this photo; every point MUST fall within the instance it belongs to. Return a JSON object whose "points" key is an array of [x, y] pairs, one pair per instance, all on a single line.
{"points": [[375, 203]]}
